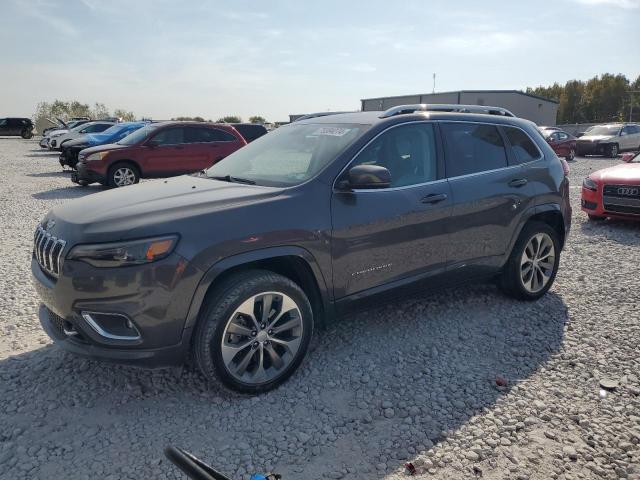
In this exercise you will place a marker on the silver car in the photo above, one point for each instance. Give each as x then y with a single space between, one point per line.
609 139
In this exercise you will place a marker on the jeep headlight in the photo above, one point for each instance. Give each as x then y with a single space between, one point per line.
127 253
96 156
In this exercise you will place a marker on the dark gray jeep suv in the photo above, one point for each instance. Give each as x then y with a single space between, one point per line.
235 267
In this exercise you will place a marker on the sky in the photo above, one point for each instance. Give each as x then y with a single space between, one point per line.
162 59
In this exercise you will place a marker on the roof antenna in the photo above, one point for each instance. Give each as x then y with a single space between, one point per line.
434 83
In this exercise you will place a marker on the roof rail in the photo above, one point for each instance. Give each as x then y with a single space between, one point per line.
443 107
316 115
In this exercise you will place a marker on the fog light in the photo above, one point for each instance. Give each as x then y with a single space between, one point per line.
114 326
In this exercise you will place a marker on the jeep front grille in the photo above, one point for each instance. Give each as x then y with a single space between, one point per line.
48 251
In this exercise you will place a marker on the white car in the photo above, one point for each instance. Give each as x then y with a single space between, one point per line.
58 137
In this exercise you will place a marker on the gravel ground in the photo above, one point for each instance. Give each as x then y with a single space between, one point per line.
410 381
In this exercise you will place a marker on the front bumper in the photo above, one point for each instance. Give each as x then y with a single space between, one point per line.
590 148
593 203
155 297
44 142
83 174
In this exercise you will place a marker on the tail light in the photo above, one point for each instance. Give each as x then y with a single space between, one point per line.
565 167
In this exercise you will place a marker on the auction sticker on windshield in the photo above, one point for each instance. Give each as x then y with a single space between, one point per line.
332 131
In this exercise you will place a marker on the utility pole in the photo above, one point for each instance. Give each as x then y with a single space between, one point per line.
631 94
434 83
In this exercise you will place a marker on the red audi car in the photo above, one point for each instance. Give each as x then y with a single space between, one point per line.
157 150
562 143
614 191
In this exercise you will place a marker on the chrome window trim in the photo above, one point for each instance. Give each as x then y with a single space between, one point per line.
102 332
355 156
373 190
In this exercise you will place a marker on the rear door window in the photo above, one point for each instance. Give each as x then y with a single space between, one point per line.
472 148
207 135
169 136
523 148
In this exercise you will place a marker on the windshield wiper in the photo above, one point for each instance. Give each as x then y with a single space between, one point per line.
229 178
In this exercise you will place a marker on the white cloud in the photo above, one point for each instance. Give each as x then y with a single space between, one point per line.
626 4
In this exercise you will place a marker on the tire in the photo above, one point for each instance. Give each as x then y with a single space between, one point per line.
571 156
230 347
123 174
26 134
612 150
596 218
513 279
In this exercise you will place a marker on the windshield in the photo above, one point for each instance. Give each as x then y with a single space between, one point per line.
608 130
289 155
138 135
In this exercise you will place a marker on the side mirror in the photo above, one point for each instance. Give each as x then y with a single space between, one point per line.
368 177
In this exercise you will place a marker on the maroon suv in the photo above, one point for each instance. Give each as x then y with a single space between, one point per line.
157 150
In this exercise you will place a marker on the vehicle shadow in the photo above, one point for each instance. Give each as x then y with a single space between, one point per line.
378 389
614 229
59 173
42 154
73 191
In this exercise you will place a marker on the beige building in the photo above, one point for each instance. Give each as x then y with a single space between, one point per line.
540 110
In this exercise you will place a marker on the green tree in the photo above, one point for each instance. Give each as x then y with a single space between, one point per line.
258 119
124 115
230 119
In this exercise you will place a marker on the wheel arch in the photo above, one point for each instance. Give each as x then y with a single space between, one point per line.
550 213
295 263
130 162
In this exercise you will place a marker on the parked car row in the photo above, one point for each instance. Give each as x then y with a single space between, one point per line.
55 139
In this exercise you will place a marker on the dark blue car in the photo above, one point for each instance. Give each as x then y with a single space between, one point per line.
71 149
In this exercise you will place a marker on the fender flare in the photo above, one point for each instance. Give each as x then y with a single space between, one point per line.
269 253
525 217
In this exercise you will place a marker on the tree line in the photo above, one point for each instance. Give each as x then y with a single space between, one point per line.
603 98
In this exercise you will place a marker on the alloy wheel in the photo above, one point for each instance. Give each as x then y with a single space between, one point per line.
537 262
262 337
572 155
124 176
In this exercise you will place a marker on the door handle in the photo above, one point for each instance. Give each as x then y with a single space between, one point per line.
518 182
434 198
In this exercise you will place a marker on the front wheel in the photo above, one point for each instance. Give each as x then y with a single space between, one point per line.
26 134
612 150
254 331
122 175
533 263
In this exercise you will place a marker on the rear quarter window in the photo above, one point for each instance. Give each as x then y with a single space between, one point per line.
523 148
472 148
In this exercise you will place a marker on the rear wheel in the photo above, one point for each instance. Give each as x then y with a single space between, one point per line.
26 134
122 175
612 150
254 331
533 263
571 156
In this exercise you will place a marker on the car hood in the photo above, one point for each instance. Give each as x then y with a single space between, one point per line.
58 131
596 138
626 173
104 147
89 139
153 208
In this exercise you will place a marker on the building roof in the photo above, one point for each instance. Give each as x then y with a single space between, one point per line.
466 91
